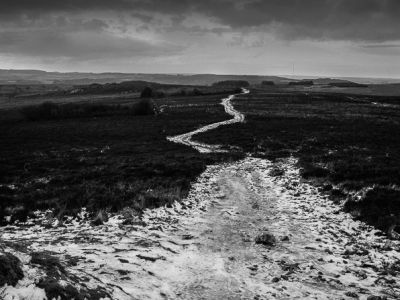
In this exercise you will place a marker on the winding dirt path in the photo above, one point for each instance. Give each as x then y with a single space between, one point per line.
186 138
204 247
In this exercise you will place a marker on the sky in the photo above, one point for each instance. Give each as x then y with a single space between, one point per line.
265 37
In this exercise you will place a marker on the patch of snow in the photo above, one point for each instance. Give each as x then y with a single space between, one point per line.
186 138
204 246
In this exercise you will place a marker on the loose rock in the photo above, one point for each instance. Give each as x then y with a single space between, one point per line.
266 239
285 238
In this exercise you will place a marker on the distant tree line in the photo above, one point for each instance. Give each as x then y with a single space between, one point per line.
53 111
148 92
302 83
232 83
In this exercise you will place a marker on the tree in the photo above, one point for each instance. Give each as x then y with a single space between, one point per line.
146 93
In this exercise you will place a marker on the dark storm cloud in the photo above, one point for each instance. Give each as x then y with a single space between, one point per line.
13 6
67 29
80 46
360 20
368 20
127 29
324 19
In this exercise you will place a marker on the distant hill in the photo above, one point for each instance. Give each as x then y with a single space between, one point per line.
302 83
125 86
348 85
329 81
232 83
43 77
361 80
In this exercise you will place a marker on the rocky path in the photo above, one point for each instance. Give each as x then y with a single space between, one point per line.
246 231
186 138
205 247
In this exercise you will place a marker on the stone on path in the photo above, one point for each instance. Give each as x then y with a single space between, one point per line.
266 239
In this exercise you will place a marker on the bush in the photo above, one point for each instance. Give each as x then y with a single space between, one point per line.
145 107
146 93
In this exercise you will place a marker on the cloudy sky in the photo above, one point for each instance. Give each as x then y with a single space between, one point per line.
315 37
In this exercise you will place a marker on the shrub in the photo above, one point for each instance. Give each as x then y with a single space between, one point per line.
146 93
145 107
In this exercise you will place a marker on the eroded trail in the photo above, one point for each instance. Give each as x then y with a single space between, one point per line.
204 248
186 138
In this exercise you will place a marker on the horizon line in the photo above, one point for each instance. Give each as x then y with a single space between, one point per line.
217 74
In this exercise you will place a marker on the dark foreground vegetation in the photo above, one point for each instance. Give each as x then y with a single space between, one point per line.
52 111
350 146
112 155
10 269
103 157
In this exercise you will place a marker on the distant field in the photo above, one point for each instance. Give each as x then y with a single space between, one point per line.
14 96
347 144
10 103
370 90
